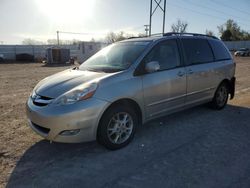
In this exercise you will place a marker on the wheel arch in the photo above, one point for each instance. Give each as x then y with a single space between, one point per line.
231 86
124 101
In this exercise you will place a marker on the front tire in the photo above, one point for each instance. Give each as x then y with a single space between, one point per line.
221 96
117 127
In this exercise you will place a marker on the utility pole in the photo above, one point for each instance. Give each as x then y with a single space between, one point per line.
158 5
164 16
146 29
57 33
150 18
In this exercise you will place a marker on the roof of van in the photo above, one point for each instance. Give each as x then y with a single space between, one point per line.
172 35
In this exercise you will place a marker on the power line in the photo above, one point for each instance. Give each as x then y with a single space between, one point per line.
78 33
233 8
137 28
195 11
216 10
67 32
202 13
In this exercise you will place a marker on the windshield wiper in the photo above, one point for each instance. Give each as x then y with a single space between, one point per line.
92 70
104 70
111 70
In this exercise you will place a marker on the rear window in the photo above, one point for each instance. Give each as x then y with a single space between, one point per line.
220 51
197 51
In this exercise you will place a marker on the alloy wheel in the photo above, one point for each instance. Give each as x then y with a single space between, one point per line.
120 128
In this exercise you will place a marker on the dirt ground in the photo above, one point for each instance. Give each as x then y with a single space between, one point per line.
16 83
20 147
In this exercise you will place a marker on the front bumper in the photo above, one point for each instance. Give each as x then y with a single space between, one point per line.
50 121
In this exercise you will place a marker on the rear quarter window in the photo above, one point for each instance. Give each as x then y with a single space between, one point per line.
197 51
220 51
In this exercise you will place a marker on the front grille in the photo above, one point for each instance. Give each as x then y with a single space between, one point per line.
39 104
39 100
45 98
41 129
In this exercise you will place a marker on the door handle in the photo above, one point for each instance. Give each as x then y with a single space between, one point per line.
190 71
180 73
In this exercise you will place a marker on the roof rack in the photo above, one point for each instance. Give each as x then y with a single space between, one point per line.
135 37
145 36
156 34
187 34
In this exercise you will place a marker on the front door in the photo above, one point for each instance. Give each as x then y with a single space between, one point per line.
164 90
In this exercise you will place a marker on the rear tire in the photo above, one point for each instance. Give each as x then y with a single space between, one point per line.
220 96
117 127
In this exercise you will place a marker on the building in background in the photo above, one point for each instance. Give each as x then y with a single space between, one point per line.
87 49
235 45
57 55
80 51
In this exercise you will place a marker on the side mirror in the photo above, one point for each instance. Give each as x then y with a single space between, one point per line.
152 66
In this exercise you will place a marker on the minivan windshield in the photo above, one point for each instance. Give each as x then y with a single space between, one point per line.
115 57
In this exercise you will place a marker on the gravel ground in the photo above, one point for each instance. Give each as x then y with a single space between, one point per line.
198 147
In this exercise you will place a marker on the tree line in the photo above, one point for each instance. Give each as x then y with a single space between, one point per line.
229 31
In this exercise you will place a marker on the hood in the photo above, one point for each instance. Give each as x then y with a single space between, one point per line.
57 84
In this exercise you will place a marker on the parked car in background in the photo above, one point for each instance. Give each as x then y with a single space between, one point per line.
242 52
129 83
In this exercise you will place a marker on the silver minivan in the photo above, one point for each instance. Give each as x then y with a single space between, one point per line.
129 83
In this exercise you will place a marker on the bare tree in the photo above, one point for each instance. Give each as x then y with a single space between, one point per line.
111 37
179 26
115 37
63 42
52 41
141 35
30 41
209 32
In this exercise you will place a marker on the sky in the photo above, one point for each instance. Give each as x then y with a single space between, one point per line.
40 19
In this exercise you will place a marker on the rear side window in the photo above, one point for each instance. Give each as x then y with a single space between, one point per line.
197 51
220 51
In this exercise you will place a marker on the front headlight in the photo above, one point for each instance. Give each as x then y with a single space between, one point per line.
77 94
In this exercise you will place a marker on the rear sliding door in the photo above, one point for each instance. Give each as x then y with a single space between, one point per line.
201 70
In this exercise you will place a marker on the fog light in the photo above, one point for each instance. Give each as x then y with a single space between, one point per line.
70 132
